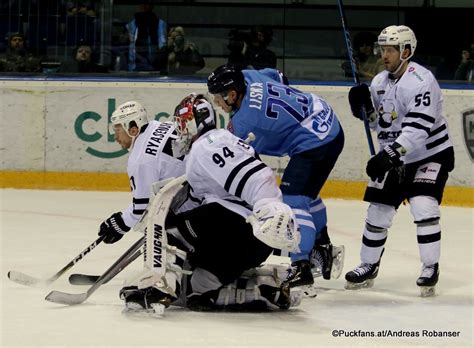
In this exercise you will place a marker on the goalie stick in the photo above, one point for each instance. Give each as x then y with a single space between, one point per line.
73 299
89 279
84 279
350 53
25 279
160 206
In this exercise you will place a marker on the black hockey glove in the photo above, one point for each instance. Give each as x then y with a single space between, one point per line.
382 162
360 96
113 228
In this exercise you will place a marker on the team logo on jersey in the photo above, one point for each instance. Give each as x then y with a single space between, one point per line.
468 131
387 114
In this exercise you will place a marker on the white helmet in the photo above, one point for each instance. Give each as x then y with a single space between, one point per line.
193 115
127 113
398 35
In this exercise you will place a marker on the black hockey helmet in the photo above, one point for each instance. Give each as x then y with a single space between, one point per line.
225 77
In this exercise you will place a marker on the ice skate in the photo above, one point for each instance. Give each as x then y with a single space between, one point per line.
362 276
281 298
150 300
327 261
321 257
299 274
428 280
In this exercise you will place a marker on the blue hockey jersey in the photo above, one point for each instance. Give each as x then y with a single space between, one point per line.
284 120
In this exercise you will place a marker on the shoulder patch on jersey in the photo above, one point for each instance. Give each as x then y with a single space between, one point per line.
412 70
210 138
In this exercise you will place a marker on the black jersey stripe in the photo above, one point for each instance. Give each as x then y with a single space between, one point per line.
242 203
235 171
437 142
417 126
245 178
138 211
425 117
437 131
141 200
168 149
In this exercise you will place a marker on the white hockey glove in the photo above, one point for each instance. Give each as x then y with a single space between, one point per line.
273 223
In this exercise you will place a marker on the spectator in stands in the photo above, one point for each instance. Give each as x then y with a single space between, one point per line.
183 56
17 58
368 64
119 46
465 70
81 8
148 40
84 62
250 49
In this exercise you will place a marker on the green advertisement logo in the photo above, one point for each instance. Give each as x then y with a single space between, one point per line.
91 116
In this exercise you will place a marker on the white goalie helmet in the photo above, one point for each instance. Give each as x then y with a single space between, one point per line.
192 116
127 113
398 35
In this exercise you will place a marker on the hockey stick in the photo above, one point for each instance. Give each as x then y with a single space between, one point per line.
160 206
24 279
73 299
355 74
84 279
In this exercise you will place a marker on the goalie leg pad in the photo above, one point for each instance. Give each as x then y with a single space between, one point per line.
168 281
256 290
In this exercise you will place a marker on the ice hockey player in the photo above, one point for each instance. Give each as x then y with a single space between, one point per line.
286 121
150 160
404 107
233 219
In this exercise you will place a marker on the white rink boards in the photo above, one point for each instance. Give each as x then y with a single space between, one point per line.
41 231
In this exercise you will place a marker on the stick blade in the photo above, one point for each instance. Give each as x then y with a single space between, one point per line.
65 298
82 279
25 279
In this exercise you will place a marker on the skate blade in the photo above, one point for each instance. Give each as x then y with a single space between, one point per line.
316 271
338 253
427 291
355 286
156 309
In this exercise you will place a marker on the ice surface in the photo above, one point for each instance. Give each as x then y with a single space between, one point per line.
41 231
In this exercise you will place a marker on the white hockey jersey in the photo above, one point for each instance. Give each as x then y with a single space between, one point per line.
223 168
150 160
409 111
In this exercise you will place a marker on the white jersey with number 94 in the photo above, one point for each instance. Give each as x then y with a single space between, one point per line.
223 168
